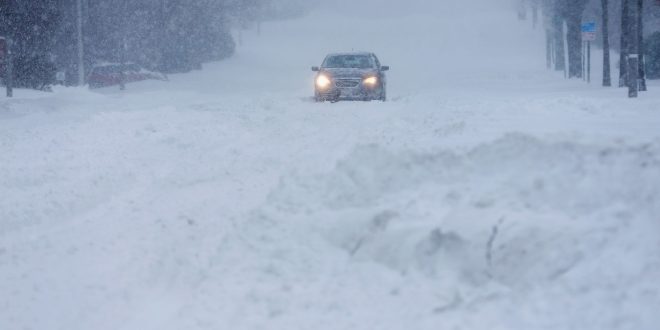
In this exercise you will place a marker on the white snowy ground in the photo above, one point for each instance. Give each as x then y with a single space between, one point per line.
488 193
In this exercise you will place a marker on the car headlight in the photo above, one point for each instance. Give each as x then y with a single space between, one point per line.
371 81
323 81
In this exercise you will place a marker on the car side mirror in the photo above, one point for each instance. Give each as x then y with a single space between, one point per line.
384 68
315 68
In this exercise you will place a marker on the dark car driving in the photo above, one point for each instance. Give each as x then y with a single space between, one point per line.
350 76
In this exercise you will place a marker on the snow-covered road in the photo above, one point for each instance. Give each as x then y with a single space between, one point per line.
488 193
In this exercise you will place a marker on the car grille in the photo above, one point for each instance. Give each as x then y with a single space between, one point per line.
347 83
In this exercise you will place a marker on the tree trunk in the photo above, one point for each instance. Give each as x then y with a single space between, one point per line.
81 51
623 53
607 77
574 40
558 36
640 45
163 17
633 49
572 12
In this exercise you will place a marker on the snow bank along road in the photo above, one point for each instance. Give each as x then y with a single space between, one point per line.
487 194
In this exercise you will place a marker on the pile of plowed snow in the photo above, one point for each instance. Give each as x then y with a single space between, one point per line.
568 230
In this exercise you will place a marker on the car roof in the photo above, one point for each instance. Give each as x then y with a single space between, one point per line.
351 53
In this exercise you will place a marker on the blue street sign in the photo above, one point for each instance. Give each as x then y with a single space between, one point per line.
589 27
588 31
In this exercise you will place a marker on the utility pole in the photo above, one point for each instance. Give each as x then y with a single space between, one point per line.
607 77
81 50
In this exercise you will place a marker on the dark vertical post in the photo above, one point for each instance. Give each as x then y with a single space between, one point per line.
558 32
633 51
122 46
9 67
582 69
548 49
564 49
623 54
632 75
122 64
640 45
163 35
607 77
589 61
79 36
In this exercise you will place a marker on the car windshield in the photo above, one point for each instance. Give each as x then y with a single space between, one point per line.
349 61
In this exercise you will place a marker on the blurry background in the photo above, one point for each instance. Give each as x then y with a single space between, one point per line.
178 36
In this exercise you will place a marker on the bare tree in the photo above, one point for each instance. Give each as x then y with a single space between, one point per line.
640 45
623 52
632 30
572 11
607 79
558 45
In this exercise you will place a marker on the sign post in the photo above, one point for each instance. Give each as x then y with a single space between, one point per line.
583 69
588 35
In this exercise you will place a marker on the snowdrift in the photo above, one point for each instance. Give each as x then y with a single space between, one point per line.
518 219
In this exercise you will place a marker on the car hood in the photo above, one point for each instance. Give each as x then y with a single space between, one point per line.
348 72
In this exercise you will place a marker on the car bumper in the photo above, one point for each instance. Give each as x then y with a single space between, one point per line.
356 93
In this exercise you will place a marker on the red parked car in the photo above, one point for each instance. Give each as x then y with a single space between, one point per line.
109 74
